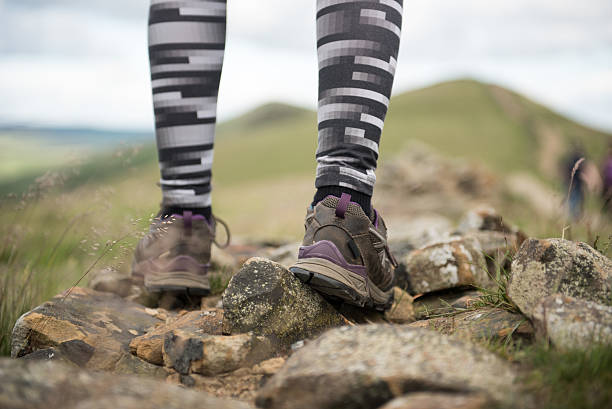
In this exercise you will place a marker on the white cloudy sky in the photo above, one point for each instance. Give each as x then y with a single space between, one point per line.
84 63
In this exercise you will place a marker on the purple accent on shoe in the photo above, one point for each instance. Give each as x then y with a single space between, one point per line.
376 217
342 205
194 216
327 250
187 216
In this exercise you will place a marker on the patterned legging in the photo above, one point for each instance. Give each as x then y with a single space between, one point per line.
357 42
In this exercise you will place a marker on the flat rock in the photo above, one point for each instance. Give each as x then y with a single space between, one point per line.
49 385
109 280
265 298
545 267
89 328
402 310
571 323
438 400
445 302
366 366
197 352
149 346
449 264
481 324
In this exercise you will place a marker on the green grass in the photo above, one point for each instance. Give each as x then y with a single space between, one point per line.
572 379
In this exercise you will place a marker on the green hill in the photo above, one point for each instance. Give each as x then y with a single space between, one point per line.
463 118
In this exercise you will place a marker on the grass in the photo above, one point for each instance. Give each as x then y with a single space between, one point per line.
573 379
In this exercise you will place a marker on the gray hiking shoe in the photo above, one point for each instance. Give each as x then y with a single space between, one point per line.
175 255
345 255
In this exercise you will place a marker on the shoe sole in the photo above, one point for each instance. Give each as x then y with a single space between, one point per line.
177 281
337 283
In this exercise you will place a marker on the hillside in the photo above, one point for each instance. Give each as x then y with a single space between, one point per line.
467 119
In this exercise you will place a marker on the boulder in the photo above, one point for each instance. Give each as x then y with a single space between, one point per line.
49 385
571 323
265 298
545 267
449 264
150 345
445 302
481 324
366 366
484 218
89 328
438 400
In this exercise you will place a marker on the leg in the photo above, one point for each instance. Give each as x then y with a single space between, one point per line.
358 44
345 255
186 47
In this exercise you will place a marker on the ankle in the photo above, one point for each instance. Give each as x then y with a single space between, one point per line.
203 211
363 200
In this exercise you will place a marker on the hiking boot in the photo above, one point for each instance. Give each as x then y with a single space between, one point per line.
345 255
175 255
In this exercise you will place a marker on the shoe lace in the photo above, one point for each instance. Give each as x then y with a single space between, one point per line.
383 240
227 233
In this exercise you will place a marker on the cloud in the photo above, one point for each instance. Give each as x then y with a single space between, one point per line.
94 53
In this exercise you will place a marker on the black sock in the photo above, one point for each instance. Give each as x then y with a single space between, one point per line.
361 199
204 211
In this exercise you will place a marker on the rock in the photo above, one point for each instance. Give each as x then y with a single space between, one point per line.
285 255
366 366
445 302
149 346
545 267
483 218
90 328
571 323
449 264
482 324
264 297
49 385
406 235
401 312
438 400
196 352
269 367
110 280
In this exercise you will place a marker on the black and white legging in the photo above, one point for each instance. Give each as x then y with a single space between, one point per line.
357 42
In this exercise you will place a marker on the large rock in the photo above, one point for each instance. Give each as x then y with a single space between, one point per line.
570 323
366 366
545 267
449 264
89 328
265 298
481 324
49 385
439 400
150 345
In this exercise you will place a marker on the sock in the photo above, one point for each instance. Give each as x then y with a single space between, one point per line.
203 211
186 49
361 199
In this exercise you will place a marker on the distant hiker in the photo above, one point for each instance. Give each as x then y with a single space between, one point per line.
606 171
345 253
574 184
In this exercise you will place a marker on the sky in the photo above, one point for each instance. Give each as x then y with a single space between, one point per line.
84 63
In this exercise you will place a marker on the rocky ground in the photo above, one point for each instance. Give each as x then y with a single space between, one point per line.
269 341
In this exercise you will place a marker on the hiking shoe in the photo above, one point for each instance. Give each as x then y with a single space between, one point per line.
175 254
345 255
